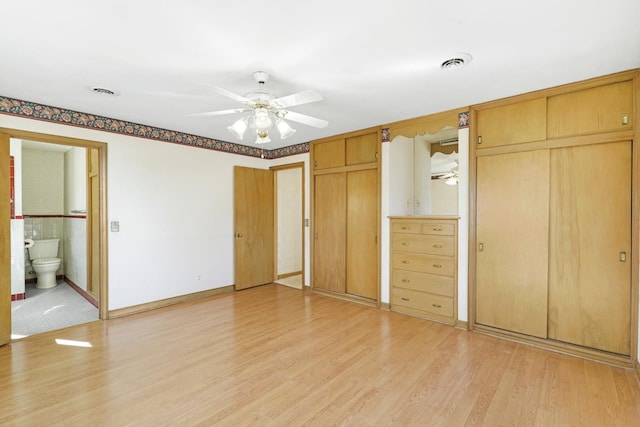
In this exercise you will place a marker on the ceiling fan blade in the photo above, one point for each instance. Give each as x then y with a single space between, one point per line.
230 94
302 118
299 98
221 112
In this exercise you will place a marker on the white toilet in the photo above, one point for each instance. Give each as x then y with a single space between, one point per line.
43 255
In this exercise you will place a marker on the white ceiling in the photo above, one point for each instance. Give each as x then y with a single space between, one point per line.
374 62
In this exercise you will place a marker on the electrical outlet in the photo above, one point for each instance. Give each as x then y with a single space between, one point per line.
115 226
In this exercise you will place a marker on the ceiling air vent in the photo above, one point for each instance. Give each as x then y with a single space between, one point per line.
104 91
460 60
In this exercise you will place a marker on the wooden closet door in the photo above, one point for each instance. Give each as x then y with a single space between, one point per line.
512 241
329 266
362 223
589 278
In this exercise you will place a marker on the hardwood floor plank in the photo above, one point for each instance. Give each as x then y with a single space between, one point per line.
277 356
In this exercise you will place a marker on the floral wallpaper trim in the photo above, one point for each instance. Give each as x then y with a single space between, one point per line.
48 113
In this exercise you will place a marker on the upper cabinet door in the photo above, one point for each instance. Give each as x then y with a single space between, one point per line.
600 109
513 124
362 149
329 154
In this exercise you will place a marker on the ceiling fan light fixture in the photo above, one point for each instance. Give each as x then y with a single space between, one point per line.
262 120
238 128
285 130
262 139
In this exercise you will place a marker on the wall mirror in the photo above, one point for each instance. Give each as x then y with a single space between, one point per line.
424 174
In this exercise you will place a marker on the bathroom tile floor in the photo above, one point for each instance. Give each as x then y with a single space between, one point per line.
49 309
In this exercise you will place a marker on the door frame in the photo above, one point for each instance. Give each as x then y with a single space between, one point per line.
276 169
103 300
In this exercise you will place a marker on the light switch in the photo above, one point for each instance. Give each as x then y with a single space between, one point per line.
115 226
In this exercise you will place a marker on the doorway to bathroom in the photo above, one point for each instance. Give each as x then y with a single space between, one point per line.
58 191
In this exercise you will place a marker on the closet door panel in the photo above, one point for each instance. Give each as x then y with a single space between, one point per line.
329 265
512 241
362 223
590 220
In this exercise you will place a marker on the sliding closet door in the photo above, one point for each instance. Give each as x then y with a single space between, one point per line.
362 226
590 241
330 200
512 241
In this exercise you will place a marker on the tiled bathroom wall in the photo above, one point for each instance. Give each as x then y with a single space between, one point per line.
75 250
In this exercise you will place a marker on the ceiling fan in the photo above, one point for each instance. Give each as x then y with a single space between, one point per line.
267 110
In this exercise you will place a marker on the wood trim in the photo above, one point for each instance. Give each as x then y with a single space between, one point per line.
432 123
573 141
51 139
635 221
86 295
471 256
134 309
276 169
102 159
558 347
346 297
461 324
351 168
285 275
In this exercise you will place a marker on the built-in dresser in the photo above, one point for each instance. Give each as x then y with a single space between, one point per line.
424 261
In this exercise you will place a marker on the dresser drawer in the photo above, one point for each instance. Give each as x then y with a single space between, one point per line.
406 227
427 244
422 301
438 229
423 263
424 282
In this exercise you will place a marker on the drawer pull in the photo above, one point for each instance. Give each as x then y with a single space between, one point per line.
437 246
437 305
405 243
404 261
404 227
405 280
404 299
437 265
437 229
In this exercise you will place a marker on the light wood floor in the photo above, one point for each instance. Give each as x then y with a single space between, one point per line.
275 356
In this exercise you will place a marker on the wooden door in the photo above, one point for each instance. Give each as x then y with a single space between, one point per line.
362 238
512 241
329 263
5 241
254 227
93 223
590 243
